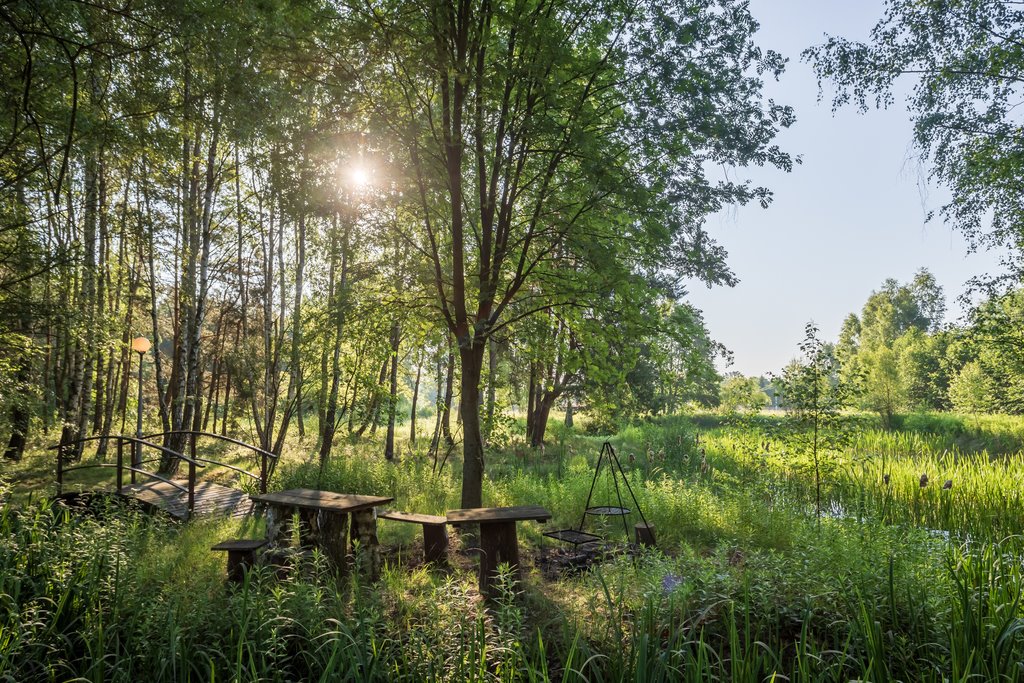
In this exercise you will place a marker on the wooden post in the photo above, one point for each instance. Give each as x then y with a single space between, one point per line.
192 478
263 472
191 489
498 544
435 543
644 534
120 465
136 458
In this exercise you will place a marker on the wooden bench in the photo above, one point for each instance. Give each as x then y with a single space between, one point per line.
241 555
435 532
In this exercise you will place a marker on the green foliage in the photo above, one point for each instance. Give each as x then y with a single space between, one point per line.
738 393
897 360
920 359
811 391
971 390
964 58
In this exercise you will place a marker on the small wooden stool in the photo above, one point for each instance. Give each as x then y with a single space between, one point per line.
644 534
241 555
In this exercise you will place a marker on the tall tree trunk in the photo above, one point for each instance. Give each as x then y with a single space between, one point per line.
113 384
389 444
374 403
161 384
194 385
80 395
435 439
20 414
446 407
531 401
415 399
289 404
472 444
186 413
542 411
492 385
227 388
213 398
330 423
300 265
101 296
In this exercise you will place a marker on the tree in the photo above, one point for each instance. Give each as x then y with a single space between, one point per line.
971 389
993 341
682 356
537 130
891 353
966 60
929 299
811 391
919 359
739 393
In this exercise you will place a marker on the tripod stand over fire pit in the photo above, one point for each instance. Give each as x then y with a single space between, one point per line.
578 536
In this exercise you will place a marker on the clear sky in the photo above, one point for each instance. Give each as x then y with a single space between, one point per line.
852 215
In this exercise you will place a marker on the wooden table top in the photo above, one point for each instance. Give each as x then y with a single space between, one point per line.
516 513
312 499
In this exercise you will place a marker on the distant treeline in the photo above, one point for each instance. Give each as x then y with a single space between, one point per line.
898 356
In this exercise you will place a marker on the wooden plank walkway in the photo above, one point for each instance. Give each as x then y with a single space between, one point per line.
211 499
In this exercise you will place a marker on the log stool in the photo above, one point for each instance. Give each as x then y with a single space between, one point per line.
644 534
241 555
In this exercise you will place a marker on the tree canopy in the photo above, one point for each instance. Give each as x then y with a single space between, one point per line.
965 62
320 211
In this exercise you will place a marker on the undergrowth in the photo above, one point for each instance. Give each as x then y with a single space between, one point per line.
897 582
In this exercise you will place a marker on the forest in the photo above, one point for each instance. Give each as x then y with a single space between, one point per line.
309 210
442 254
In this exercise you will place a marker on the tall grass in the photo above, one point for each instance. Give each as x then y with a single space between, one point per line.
878 473
746 586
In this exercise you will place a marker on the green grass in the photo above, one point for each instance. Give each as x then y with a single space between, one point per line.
747 583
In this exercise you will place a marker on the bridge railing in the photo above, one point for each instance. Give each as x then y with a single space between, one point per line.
135 467
266 457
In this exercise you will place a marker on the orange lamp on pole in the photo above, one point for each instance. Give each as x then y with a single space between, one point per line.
140 345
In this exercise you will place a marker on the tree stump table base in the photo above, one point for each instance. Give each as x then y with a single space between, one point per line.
644 534
499 545
324 524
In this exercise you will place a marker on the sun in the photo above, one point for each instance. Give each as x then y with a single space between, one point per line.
358 176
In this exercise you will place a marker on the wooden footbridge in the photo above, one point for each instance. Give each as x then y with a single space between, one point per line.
180 498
